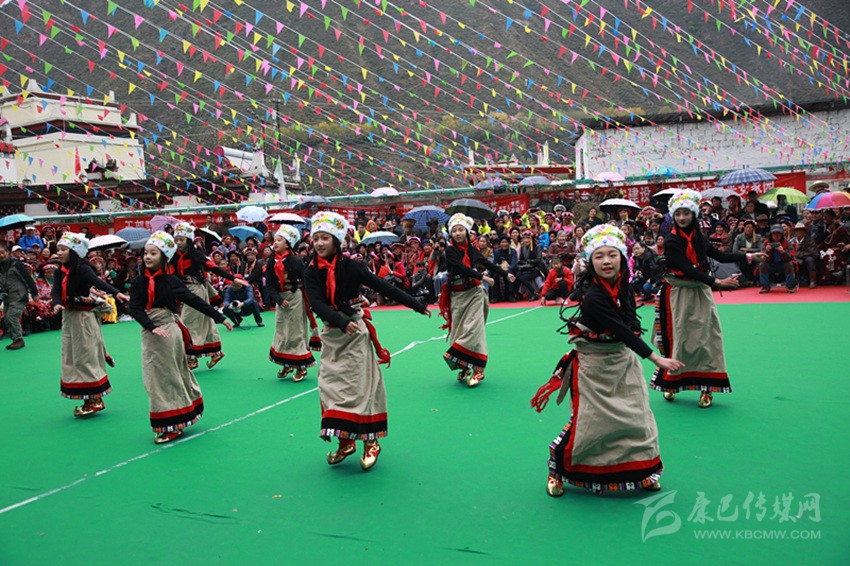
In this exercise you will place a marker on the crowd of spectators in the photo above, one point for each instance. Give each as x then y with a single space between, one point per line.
540 246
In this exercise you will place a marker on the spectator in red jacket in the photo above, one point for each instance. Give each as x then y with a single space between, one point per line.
559 282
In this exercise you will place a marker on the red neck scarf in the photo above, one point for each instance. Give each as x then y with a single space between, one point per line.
612 290
152 286
330 283
67 272
183 263
690 251
464 247
279 268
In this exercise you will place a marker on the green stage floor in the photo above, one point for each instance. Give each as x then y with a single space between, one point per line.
462 475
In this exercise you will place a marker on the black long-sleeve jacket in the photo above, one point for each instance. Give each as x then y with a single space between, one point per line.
82 279
168 291
350 275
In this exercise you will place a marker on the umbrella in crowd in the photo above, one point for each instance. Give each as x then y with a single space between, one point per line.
384 192
837 199
160 221
245 232
107 242
491 183
718 192
535 181
133 234
380 238
15 221
606 176
792 195
310 201
665 194
137 244
207 234
424 214
287 218
471 207
251 214
612 205
744 176
663 171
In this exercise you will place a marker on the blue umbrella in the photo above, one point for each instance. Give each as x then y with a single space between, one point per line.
245 232
133 234
663 171
744 176
15 221
310 201
424 214
535 181
380 238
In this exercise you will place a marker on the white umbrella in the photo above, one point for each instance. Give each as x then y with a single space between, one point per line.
718 192
252 214
286 218
208 232
384 192
619 203
665 193
107 242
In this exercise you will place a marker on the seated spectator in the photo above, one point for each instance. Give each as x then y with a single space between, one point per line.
807 253
720 238
780 259
438 267
747 242
562 248
529 265
239 302
29 239
421 284
506 258
392 271
648 271
763 225
559 282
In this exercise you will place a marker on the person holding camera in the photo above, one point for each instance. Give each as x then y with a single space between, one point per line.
16 284
239 302
780 259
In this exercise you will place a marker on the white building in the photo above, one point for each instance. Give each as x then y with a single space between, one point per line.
56 138
690 147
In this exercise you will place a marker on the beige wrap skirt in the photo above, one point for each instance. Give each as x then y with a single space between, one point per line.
611 441
175 396
687 328
467 336
290 346
351 386
83 356
206 340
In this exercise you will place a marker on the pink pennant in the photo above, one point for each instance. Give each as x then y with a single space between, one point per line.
139 20
302 10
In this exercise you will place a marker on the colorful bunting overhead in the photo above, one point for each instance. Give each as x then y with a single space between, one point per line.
365 93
